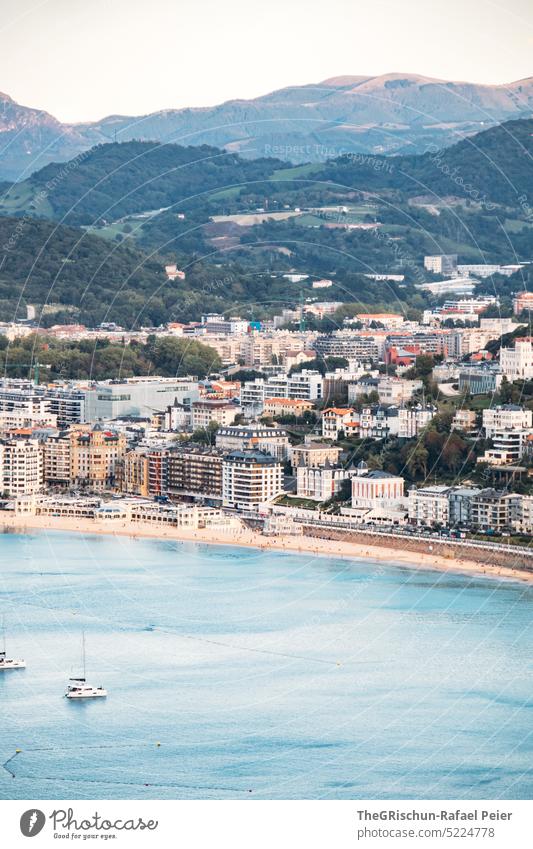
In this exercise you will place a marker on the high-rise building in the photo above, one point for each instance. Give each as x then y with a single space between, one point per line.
250 478
21 466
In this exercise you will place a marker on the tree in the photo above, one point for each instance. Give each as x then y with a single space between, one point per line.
417 461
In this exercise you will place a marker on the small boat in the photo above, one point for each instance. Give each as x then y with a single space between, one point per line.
8 662
78 688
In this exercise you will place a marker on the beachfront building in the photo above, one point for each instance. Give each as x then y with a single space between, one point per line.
321 483
377 488
196 471
460 500
56 459
429 505
250 478
133 472
495 510
21 466
94 455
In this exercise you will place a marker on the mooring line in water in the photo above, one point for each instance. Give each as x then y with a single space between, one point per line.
12 758
177 785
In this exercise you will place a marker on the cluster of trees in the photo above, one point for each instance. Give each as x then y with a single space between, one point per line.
436 452
167 356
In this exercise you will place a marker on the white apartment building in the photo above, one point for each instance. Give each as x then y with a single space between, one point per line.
517 363
508 446
412 420
306 385
429 505
21 466
395 390
441 263
250 478
205 412
378 422
320 483
336 420
178 417
506 417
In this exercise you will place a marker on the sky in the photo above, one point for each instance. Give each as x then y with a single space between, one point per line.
83 59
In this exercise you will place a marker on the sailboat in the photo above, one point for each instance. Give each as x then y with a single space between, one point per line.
78 688
5 661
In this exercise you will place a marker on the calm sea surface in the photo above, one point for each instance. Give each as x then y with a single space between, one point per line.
287 675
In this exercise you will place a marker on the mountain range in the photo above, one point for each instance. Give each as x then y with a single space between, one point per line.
387 114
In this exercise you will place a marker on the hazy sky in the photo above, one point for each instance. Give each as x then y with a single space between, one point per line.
83 59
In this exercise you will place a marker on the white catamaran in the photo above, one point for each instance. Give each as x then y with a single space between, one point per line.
5 661
78 688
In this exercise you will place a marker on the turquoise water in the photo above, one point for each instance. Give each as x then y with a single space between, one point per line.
230 659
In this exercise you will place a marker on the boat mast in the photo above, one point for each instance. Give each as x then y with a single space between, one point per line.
83 652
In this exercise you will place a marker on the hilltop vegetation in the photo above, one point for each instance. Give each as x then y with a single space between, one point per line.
235 226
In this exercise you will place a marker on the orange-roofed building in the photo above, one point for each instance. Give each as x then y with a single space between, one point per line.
339 419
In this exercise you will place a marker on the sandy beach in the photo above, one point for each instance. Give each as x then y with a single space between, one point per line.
246 537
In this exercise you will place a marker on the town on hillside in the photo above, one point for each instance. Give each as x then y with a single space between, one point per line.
385 423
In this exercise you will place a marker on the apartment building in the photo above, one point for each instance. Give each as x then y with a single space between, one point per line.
314 454
441 263
132 472
517 363
271 440
94 454
250 478
205 412
413 420
429 505
274 407
359 347
523 302
506 417
508 446
56 459
21 466
378 422
460 505
493 509
337 420
321 483
195 471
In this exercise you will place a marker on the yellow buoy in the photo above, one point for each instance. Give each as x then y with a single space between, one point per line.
17 751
